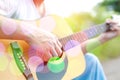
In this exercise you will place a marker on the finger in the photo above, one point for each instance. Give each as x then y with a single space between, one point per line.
47 56
112 34
115 28
46 53
53 51
59 44
58 50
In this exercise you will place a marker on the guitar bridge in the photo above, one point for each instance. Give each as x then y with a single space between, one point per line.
20 61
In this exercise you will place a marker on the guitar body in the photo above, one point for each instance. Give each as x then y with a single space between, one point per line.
73 57
8 67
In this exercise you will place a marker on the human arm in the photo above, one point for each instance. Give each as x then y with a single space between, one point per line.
29 32
11 29
102 38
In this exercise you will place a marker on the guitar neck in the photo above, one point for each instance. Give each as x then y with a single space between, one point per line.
79 37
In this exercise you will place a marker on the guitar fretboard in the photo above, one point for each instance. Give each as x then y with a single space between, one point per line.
79 37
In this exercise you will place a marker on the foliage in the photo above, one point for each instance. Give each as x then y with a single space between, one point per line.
111 5
80 21
108 50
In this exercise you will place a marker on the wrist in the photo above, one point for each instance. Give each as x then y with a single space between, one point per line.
102 39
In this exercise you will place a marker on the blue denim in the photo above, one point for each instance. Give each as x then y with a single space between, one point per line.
93 71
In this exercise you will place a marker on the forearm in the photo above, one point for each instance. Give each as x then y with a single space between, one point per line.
13 29
91 44
10 29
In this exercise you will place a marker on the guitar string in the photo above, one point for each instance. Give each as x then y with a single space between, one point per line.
90 33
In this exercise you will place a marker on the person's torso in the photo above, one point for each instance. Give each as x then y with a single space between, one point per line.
26 11
19 9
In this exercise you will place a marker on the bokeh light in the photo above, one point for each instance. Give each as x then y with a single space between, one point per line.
3 63
8 27
70 44
14 68
36 64
56 64
2 48
51 24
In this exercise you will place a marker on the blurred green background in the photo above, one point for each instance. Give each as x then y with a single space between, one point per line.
102 11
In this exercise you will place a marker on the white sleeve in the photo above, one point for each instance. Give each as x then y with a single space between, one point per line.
8 7
26 11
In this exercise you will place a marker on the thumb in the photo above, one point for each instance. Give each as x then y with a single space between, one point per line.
111 34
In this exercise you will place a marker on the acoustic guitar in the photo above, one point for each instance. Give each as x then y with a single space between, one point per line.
72 61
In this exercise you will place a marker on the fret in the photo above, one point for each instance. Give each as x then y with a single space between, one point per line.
101 28
79 37
98 30
91 32
82 37
73 40
64 40
70 44
95 31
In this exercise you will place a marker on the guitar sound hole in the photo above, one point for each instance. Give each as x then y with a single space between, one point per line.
51 75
